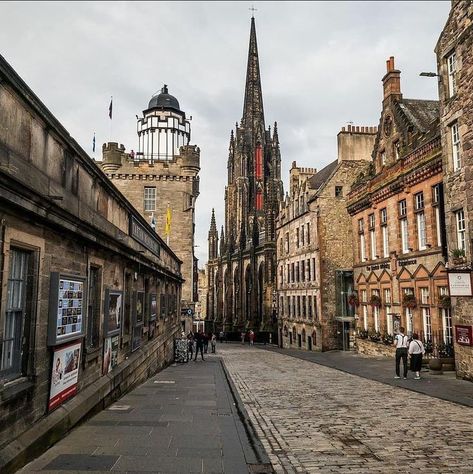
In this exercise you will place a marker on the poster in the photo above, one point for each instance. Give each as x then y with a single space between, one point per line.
113 312
140 306
153 307
463 335
110 354
67 304
64 374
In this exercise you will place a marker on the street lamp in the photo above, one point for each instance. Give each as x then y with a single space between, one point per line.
429 74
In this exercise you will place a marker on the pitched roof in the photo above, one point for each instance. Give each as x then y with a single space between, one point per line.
420 113
321 177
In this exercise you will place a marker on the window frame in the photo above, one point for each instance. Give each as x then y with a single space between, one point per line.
147 199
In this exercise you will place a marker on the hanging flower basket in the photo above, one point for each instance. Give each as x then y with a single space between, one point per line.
445 302
353 299
375 301
409 301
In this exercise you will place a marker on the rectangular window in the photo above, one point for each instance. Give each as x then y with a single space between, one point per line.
460 223
150 198
404 236
361 226
302 235
456 156
387 296
383 214
447 325
302 270
424 296
402 208
421 232
304 307
436 204
15 344
451 70
93 307
297 272
383 158
408 314
363 296
427 324
313 269
365 317
308 233
297 237
385 241
338 191
362 248
281 304
371 221
373 244
376 318
308 270
389 324
419 201
396 150
309 306
293 273
287 242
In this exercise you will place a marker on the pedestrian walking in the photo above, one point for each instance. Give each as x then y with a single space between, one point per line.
199 345
251 337
242 337
401 343
213 342
416 351
222 336
190 342
206 343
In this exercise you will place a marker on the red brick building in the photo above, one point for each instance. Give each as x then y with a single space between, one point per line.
397 217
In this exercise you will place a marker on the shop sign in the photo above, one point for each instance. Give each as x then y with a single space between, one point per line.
64 374
67 304
377 267
463 335
405 262
144 237
459 283
110 354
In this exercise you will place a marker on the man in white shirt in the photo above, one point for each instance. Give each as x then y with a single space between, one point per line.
401 343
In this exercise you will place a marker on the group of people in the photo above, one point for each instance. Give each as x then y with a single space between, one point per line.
405 347
251 337
199 341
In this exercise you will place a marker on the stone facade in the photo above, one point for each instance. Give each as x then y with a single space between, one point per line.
315 256
398 223
162 181
455 68
61 215
241 270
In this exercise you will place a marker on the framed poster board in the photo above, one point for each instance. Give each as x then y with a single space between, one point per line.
136 337
153 306
110 354
64 374
463 335
459 283
139 307
67 305
113 312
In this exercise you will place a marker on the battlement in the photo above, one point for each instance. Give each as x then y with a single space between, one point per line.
113 156
358 129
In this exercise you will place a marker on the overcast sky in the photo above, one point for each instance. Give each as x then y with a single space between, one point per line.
321 67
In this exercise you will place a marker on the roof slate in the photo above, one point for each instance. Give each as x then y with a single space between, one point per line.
322 176
420 113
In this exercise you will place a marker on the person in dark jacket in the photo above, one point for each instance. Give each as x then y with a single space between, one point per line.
199 344
206 343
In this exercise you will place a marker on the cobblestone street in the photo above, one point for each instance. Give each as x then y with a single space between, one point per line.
312 418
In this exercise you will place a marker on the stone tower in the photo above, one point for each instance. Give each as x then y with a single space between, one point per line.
161 179
244 272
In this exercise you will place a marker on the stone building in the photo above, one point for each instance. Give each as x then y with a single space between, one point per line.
455 69
398 223
201 305
161 181
314 248
89 293
242 268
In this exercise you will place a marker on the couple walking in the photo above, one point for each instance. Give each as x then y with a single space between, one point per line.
404 347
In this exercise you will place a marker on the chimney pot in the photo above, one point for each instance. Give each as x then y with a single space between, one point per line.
343 129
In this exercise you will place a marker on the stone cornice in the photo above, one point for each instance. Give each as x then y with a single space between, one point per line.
150 177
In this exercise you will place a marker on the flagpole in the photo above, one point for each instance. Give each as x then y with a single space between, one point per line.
111 116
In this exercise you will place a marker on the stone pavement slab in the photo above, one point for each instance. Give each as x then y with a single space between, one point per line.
381 369
185 419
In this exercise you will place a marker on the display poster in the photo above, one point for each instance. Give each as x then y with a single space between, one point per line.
463 335
110 354
153 307
459 283
70 307
152 329
64 375
113 312
140 307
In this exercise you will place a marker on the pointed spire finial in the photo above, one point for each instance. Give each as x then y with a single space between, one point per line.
253 10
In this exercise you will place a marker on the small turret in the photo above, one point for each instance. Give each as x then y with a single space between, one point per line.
113 156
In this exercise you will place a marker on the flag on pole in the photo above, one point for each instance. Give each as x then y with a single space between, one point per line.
110 107
93 143
167 228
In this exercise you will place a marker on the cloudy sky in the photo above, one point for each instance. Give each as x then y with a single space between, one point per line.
321 67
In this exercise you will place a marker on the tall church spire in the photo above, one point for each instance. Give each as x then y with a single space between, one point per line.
213 238
253 115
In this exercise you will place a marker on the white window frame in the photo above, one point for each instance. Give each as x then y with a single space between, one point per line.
389 324
385 241
437 226
149 198
404 235
373 244
376 318
421 231
387 296
461 229
365 317
427 321
408 314
451 70
446 314
424 295
456 155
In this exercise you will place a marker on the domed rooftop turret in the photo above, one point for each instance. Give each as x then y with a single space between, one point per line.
164 100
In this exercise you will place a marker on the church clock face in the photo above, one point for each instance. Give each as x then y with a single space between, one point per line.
388 125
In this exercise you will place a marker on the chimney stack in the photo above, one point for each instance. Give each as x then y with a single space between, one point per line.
392 80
